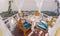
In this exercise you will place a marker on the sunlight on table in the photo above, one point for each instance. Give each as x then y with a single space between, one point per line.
1 32
57 32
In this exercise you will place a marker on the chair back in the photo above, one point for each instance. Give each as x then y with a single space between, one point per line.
19 21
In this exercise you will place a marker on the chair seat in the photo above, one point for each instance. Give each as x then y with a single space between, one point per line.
43 25
27 26
25 22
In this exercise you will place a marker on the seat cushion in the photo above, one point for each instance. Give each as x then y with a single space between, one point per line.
43 25
27 26
25 22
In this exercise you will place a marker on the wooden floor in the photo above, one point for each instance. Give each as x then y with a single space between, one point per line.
17 32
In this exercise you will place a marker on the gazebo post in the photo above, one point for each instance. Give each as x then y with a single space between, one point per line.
39 5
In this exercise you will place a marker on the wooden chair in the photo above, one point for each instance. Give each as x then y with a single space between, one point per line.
37 14
23 27
21 14
50 23
43 25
